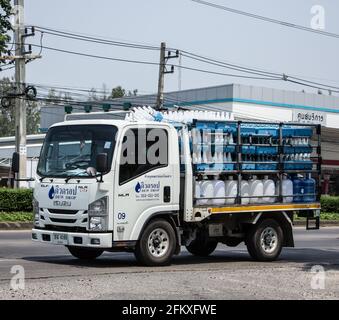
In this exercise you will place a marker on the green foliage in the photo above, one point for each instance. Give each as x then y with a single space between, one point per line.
329 204
329 216
7 115
16 199
16 216
118 92
5 24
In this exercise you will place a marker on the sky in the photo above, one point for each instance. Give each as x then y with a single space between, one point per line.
186 25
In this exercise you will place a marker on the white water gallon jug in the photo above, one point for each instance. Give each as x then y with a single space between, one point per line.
219 191
287 189
231 188
245 192
269 190
256 190
198 192
207 191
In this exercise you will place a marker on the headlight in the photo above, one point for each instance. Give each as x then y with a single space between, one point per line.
98 214
35 205
98 207
97 224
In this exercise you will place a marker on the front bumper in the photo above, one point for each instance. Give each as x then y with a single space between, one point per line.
89 240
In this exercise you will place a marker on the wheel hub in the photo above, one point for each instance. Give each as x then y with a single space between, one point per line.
158 242
269 240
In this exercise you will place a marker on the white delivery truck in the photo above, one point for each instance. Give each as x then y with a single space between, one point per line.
154 182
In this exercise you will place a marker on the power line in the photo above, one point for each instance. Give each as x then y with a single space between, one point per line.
97 39
274 76
264 75
229 66
267 19
79 37
148 63
96 56
95 36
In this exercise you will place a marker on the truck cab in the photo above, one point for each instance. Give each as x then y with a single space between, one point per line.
90 211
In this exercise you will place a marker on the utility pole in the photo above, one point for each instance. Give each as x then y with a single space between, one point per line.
162 72
20 103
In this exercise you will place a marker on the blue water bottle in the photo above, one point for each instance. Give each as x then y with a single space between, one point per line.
309 189
298 189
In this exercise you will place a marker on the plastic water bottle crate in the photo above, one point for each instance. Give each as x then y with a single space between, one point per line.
266 166
214 167
248 166
297 149
297 165
267 150
248 149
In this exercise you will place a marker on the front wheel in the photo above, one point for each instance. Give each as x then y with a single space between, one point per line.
264 240
84 253
157 244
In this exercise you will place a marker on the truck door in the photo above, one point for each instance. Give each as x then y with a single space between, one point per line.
144 180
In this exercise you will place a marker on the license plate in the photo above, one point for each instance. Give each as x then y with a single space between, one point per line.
60 238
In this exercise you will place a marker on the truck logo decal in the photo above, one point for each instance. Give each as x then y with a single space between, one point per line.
64 193
147 191
51 193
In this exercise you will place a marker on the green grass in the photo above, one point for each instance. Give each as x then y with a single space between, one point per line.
16 216
323 216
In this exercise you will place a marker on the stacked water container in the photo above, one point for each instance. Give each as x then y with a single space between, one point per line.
304 189
297 149
213 146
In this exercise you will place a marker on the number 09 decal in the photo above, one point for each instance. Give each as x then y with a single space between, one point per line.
121 216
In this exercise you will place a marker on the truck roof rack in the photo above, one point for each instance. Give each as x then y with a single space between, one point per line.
108 115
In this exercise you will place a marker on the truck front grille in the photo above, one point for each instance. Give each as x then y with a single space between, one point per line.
60 211
63 220
64 228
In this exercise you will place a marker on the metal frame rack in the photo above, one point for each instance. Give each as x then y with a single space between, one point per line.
275 135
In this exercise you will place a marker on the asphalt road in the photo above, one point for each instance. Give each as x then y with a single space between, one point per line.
52 273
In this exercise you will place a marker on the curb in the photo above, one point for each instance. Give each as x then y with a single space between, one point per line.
16 225
323 223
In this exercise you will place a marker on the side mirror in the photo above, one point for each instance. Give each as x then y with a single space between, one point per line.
15 162
102 162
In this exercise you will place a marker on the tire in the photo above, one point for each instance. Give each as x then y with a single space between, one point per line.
157 244
202 247
84 253
265 240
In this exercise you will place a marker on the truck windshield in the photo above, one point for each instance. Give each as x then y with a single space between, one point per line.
72 150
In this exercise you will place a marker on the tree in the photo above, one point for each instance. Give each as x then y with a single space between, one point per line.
133 93
5 24
118 92
7 115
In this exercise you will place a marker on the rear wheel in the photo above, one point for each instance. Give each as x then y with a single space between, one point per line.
157 244
264 240
84 253
202 247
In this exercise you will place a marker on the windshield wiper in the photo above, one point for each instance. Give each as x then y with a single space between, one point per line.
77 175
